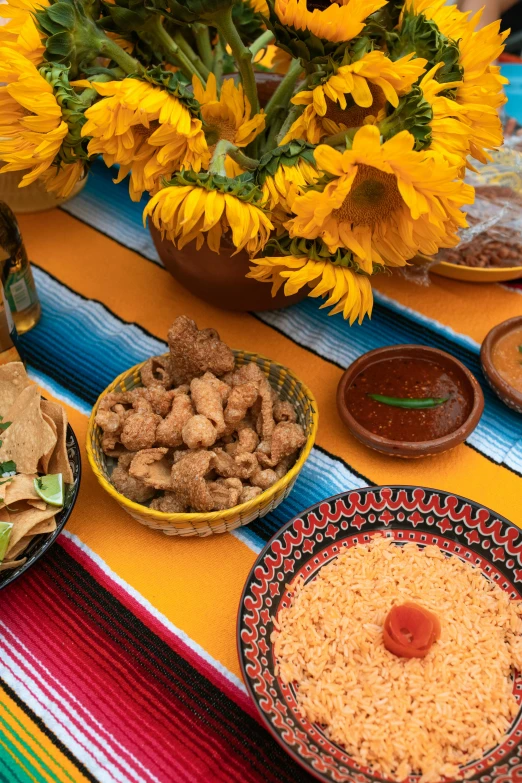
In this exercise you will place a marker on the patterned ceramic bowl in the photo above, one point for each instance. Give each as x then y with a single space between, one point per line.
426 516
40 544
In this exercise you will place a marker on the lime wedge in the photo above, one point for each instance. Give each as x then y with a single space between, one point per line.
5 535
50 489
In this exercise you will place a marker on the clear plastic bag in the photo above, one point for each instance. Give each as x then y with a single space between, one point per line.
494 234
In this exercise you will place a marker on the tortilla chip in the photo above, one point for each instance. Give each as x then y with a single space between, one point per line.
25 521
19 547
43 465
59 462
47 526
4 483
13 380
6 565
39 504
4 514
21 487
28 437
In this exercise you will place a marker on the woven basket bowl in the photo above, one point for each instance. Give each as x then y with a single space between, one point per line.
205 524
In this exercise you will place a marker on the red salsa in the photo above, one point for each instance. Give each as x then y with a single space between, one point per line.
413 379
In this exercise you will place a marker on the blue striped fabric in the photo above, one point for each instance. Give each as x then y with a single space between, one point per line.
498 437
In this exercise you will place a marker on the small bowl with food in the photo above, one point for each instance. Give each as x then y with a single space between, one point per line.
409 400
202 439
501 358
40 472
490 249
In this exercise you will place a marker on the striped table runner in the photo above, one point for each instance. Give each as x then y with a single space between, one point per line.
117 650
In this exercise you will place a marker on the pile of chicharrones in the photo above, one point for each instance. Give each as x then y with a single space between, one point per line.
200 435
401 716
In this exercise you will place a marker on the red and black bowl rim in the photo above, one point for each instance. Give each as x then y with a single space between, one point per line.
405 513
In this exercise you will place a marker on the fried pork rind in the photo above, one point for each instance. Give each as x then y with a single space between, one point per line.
188 480
247 442
284 411
169 430
262 409
207 435
249 493
287 438
263 478
169 503
139 429
151 467
225 493
208 395
157 372
199 433
240 401
194 352
123 482
241 466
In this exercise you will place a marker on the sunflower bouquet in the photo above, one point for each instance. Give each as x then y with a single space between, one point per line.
354 165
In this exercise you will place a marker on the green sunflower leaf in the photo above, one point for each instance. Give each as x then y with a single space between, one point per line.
413 114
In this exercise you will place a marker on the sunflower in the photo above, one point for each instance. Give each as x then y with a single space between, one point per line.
355 95
192 206
344 290
146 130
385 202
61 180
273 58
328 21
450 137
480 93
20 32
229 116
285 173
31 125
259 6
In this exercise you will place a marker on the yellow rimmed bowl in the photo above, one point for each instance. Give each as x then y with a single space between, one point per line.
288 386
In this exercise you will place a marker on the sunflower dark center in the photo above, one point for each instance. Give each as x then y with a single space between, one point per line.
143 132
353 116
320 5
373 198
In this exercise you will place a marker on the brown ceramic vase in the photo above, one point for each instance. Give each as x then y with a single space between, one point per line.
221 279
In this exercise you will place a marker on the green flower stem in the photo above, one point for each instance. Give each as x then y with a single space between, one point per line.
110 49
242 55
186 49
261 42
202 35
342 138
217 164
224 148
293 114
153 33
281 98
250 164
217 67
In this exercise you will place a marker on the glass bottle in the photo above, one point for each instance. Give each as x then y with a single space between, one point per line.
16 273
8 338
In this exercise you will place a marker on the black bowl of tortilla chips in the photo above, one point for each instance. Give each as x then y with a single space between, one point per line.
35 440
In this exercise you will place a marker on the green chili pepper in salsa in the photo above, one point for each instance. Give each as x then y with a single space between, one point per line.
409 402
